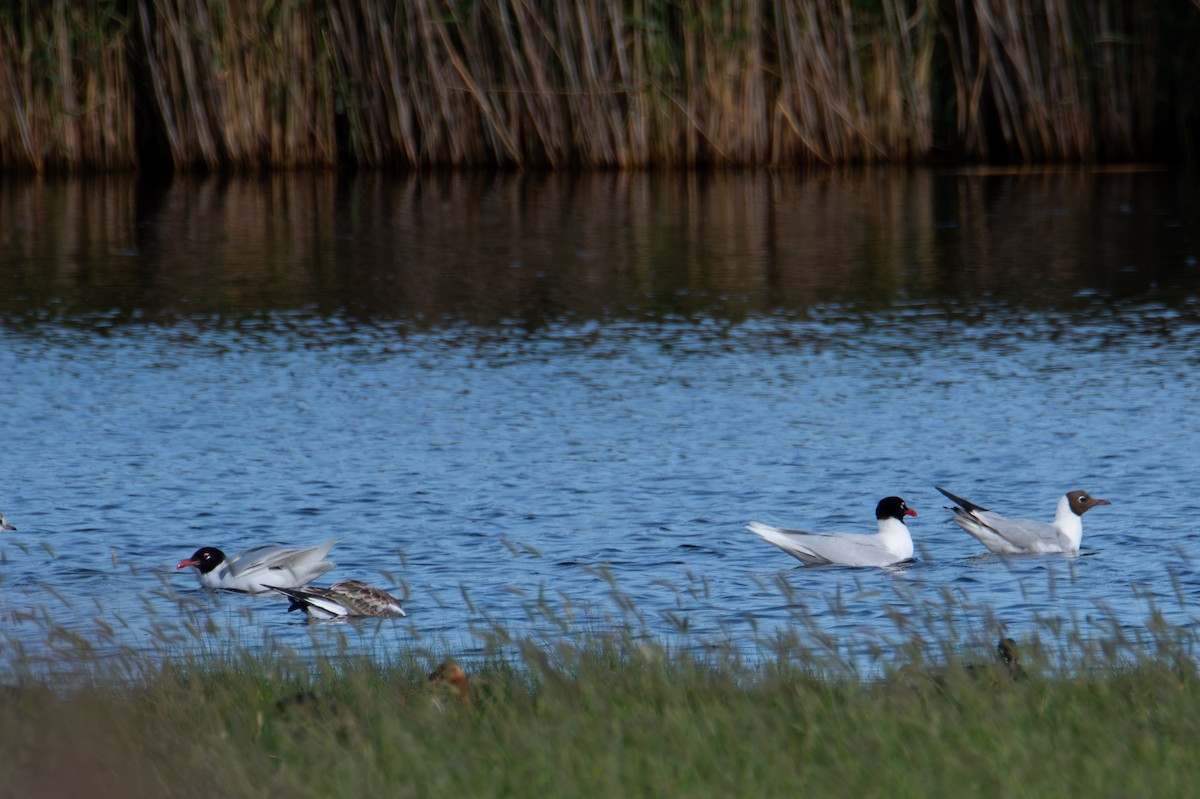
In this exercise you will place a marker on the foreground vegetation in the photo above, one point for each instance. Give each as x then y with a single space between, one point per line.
192 84
611 717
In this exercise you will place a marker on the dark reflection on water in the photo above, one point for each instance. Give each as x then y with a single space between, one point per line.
507 392
531 250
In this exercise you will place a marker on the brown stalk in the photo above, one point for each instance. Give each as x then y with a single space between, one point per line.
15 102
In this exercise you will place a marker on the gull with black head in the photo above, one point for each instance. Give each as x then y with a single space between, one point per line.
259 569
891 545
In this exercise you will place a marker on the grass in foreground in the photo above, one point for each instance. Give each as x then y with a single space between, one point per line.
606 719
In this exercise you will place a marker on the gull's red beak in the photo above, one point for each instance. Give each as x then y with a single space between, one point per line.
907 512
188 562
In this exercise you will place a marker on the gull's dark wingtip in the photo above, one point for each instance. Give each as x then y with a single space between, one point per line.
296 599
962 503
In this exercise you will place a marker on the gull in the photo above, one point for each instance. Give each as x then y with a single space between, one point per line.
892 544
259 569
1025 536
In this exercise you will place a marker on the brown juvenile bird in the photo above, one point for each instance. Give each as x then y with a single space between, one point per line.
349 599
450 673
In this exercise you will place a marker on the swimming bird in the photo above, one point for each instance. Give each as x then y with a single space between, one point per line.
5 525
345 600
1025 536
259 569
892 544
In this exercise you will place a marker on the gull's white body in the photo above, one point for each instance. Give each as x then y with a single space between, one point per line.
891 545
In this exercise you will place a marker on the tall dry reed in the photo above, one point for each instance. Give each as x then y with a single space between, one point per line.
563 83
239 86
1052 79
66 90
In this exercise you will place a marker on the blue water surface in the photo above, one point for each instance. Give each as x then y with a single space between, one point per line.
589 460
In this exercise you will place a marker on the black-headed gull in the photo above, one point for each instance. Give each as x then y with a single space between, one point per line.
5 525
892 544
259 569
1025 536
345 600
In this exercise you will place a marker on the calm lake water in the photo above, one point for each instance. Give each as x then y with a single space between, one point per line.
519 399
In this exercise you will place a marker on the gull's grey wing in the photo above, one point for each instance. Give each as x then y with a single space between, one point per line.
276 557
849 549
256 558
1025 534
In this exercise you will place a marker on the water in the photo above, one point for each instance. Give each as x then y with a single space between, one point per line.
517 399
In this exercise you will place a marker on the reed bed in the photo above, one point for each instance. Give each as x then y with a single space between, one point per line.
237 86
188 84
66 87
